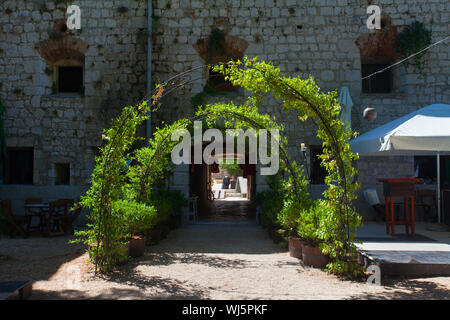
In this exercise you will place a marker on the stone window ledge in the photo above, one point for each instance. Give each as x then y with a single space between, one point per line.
74 96
383 95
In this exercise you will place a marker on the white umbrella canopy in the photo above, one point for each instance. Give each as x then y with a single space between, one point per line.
423 132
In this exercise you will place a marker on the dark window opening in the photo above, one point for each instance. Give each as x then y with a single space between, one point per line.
217 81
378 83
318 173
62 174
425 167
19 166
70 79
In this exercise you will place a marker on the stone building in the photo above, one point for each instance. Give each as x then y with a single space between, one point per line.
61 87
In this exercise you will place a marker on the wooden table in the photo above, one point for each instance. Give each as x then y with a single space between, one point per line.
39 210
399 188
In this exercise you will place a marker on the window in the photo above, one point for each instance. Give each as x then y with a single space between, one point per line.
62 174
70 79
19 166
217 81
379 83
318 173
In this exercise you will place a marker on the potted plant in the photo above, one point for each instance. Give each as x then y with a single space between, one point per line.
269 203
290 218
136 218
178 201
309 229
168 204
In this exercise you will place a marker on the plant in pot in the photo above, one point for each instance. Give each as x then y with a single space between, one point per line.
164 209
168 204
270 202
178 201
136 218
290 218
309 229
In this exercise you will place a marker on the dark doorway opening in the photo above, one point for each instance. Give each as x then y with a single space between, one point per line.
232 205
217 204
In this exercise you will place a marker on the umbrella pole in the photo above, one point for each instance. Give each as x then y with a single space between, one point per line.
438 159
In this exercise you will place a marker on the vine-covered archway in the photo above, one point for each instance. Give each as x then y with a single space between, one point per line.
114 178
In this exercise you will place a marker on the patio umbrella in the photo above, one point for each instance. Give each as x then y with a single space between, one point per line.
2 140
423 132
345 100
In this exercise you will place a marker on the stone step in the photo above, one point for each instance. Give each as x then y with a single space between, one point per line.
234 195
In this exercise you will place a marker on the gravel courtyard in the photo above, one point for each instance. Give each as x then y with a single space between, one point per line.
194 262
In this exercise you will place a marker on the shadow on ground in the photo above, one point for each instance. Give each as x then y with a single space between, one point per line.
167 258
35 258
143 286
408 289
221 239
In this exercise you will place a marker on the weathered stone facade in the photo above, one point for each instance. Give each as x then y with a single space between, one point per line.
66 128
301 37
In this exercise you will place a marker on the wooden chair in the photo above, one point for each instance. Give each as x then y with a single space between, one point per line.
72 215
15 223
56 215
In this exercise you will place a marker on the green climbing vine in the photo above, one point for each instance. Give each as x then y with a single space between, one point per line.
336 229
125 173
412 39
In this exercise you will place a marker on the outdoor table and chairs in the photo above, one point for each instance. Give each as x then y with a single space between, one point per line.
55 218
400 188
39 210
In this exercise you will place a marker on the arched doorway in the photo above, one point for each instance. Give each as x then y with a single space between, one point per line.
217 200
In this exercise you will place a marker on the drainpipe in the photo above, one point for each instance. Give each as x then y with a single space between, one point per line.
149 64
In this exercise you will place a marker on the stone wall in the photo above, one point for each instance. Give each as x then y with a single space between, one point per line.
301 37
67 128
308 37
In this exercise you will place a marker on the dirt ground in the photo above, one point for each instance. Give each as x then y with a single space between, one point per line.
195 262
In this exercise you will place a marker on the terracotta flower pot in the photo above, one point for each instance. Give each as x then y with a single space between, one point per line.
313 256
295 247
136 247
